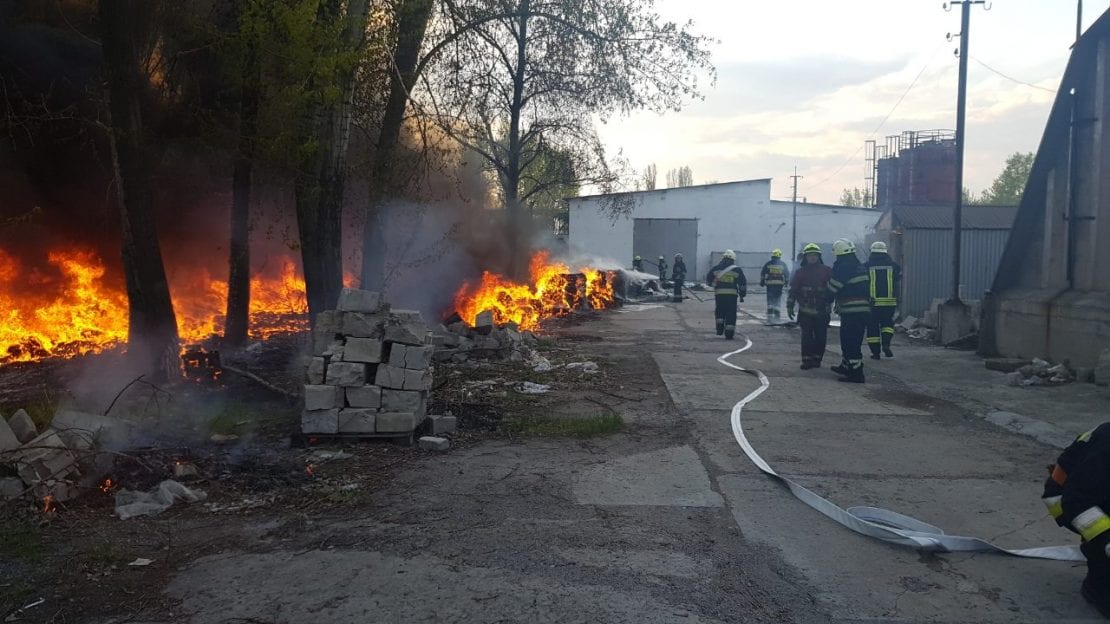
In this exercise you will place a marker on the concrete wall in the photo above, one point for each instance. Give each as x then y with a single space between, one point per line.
1037 306
735 215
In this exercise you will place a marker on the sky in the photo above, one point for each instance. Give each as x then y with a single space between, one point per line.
806 82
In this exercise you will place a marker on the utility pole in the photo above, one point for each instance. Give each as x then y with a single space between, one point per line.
794 228
1079 21
961 122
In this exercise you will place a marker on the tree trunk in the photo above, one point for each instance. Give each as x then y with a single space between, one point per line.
511 177
319 186
412 24
237 321
152 329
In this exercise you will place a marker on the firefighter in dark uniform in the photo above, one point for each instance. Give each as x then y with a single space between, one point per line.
678 276
638 264
774 276
1077 493
809 289
729 284
851 290
662 264
886 283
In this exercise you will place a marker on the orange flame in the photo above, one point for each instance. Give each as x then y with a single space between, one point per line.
552 292
107 486
48 504
310 470
83 311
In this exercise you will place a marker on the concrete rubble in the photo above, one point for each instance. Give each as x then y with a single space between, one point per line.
1036 372
371 370
55 462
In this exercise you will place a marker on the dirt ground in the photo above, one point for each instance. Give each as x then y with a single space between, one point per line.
264 493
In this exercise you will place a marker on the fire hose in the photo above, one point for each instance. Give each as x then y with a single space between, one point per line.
875 522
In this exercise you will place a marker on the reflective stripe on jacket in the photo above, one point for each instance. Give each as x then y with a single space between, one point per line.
850 286
886 280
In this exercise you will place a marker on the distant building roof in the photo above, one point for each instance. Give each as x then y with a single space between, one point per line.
940 217
672 190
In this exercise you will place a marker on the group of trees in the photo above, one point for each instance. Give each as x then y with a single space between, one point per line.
676 178
325 92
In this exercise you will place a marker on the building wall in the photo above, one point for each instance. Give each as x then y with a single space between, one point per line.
739 216
1037 306
927 265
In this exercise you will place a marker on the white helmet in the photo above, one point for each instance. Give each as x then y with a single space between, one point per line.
843 247
729 254
878 247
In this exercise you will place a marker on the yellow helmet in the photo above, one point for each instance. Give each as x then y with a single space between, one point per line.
812 248
729 254
844 247
776 253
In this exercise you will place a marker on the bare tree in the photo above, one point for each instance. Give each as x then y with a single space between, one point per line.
649 177
126 40
678 178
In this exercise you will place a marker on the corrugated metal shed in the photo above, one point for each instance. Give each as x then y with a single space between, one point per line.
940 217
927 264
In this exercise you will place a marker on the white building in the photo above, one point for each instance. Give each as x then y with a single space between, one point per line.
702 221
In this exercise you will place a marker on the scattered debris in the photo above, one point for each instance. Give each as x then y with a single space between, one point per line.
1035 372
140 562
185 470
586 367
15 614
527 387
220 438
922 333
321 456
130 504
908 323
1005 365
432 443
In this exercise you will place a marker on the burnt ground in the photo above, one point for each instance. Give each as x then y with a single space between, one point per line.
269 501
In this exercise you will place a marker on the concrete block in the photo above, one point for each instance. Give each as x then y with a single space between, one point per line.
390 377
317 369
413 358
361 325
366 350
346 374
319 397
459 328
45 457
364 396
483 323
954 320
432 443
395 422
320 421
11 487
80 430
405 327
8 441
439 425
357 420
404 401
1102 370
327 328
355 300
417 380
22 426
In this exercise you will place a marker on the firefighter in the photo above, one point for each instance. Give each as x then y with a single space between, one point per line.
1076 493
638 264
774 276
886 283
809 290
662 264
678 276
850 288
729 284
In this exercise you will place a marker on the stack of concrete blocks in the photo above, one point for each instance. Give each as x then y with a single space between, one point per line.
370 373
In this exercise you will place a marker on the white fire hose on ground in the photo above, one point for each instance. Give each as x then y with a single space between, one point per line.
874 522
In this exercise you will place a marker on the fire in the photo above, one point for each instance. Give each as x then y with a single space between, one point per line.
107 486
48 504
553 291
80 309
310 470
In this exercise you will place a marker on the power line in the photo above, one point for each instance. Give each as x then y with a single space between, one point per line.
881 123
1011 78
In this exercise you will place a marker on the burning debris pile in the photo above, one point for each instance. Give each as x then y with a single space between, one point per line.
57 464
371 369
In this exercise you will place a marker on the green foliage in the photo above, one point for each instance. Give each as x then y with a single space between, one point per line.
1009 186
548 180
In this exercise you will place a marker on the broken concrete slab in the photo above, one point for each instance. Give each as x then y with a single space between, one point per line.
395 422
364 396
317 368
365 350
355 300
1005 365
45 457
11 487
483 323
361 325
432 443
8 441
322 397
357 420
80 430
22 426
404 401
439 425
346 374
320 421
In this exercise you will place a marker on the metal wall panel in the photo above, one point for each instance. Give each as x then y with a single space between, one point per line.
651 237
927 265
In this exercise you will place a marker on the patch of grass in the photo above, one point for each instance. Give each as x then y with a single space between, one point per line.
20 540
237 418
41 411
103 555
587 426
